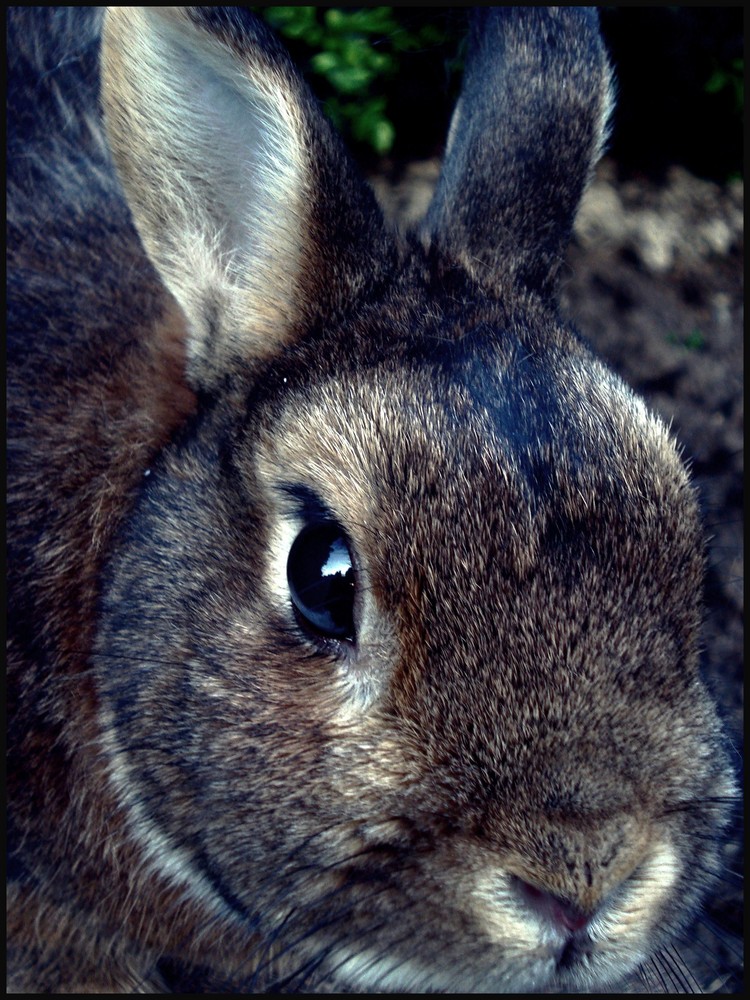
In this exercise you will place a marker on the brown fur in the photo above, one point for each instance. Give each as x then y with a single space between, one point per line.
511 778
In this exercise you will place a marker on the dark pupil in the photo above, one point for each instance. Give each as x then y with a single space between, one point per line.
321 580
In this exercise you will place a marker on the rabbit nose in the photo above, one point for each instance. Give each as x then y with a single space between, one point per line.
561 913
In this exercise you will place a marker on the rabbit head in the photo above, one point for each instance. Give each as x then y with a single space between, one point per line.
396 657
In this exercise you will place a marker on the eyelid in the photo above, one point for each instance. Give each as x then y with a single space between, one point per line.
307 505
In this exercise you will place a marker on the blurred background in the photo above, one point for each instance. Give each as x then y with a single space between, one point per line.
653 278
389 77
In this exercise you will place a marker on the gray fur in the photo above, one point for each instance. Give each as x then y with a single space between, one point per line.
513 778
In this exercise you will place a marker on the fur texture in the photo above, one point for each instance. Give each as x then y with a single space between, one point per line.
511 778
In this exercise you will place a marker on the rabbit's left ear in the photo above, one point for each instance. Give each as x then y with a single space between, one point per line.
529 126
241 192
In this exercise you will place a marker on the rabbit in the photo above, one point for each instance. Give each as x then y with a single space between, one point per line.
354 605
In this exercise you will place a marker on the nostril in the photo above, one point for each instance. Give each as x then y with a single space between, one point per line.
561 913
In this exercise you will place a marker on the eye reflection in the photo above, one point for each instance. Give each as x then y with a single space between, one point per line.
321 580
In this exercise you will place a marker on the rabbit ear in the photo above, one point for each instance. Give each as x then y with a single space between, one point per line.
241 192
528 128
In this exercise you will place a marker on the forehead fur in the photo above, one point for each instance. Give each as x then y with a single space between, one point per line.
537 423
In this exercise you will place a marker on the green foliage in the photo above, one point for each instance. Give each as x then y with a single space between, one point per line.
353 52
729 82
693 341
729 78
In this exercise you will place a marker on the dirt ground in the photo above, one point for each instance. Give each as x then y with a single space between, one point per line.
654 281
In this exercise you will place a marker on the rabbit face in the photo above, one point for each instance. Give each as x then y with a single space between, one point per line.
512 711
355 604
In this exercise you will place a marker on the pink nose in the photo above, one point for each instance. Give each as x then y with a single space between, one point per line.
560 912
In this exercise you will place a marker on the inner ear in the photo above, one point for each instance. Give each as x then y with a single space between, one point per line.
243 195
209 141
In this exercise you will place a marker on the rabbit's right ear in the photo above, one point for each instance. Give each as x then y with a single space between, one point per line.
528 129
241 192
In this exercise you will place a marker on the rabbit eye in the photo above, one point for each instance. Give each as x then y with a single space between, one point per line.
321 580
